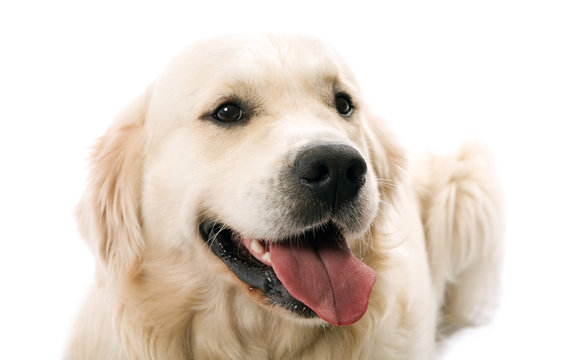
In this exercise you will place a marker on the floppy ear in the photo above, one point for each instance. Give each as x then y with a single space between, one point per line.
109 213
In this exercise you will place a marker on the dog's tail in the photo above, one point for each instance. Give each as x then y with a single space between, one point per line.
461 209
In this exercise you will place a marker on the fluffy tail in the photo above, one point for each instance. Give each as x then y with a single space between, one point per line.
461 209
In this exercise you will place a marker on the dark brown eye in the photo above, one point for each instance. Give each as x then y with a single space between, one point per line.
343 104
228 113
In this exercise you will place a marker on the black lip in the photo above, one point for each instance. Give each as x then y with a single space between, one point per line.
250 270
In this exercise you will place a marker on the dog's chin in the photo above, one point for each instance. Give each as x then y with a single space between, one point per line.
260 277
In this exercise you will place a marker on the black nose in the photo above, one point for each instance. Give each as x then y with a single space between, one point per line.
330 173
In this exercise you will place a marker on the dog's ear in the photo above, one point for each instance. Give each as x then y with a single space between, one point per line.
387 156
109 214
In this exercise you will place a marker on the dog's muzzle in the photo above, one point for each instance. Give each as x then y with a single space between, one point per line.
310 269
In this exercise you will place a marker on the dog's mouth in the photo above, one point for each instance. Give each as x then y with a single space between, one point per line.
313 274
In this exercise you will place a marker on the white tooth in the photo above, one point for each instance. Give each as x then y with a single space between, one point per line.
256 246
266 257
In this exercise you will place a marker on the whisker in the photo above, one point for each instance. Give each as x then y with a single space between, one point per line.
386 183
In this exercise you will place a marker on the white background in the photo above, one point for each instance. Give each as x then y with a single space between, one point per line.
511 73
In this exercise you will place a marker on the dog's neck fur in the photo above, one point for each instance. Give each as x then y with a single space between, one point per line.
231 329
184 326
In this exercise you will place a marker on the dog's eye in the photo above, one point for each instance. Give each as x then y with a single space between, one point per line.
228 113
343 104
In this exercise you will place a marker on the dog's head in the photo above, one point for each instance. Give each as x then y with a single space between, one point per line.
251 162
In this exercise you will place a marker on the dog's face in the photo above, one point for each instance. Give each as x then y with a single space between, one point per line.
258 161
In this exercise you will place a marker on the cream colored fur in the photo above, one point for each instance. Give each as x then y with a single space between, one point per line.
431 229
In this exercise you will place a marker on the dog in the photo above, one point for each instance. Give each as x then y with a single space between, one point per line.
248 205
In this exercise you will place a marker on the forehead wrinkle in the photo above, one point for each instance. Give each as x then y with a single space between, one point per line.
279 71
283 62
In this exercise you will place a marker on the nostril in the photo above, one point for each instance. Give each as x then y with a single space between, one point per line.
356 171
315 173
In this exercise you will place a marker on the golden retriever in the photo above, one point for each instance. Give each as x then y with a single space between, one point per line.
248 205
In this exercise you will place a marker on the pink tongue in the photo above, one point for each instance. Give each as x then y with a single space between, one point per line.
328 278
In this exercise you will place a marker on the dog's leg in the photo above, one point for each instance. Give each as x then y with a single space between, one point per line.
461 211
